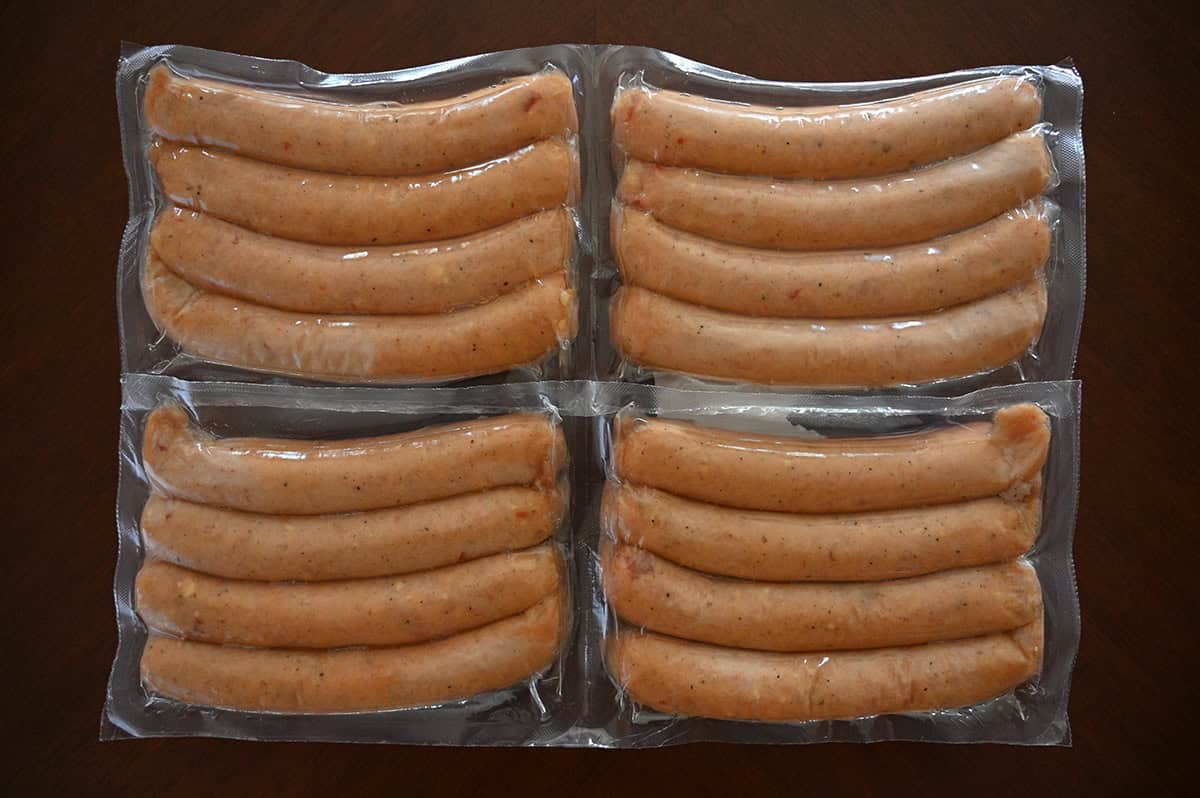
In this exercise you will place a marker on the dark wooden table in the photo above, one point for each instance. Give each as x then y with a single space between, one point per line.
65 205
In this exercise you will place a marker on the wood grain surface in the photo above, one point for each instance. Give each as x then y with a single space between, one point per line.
65 206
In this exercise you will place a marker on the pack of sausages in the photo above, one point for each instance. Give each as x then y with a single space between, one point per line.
597 564
591 396
920 235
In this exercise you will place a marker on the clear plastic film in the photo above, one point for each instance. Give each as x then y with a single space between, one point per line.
306 563
922 235
351 228
574 701
804 569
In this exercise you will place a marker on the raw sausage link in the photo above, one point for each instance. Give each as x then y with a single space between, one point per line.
338 209
803 475
830 142
396 540
353 680
685 678
901 209
302 477
999 254
367 138
784 547
513 330
658 595
658 332
384 611
430 278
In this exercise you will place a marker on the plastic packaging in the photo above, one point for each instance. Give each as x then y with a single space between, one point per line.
922 234
764 316
744 532
574 702
369 565
414 226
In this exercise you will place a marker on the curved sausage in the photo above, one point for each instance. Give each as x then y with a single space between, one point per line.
865 212
663 333
310 548
323 208
355 680
685 678
785 547
1001 253
362 138
304 477
835 475
384 611
429 278
513 330
838 141
658 595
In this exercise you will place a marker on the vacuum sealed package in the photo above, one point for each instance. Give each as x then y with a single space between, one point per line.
922 234
342 564
593 564
801 569
404 227
447 412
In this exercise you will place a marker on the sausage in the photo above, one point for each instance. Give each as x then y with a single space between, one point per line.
861 212
364 138
384 611
395 540
323 208
835 475
658 332
1001 253
782 547
355 680
429 278
656 594
685 678
838 141
516 329
304 477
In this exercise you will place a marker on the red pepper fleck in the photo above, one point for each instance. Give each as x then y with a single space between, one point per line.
162 447
462 556
287 145
522 513
629 113
639 201
533 100
679 140
795 293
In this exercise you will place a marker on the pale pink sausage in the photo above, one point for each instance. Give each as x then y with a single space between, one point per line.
393 540
517 329
356 679
658 332
685 678
837 141
383 611
309 477
904 208
656 594
1001 253
323 208
363 138
433 277
787 547
951 463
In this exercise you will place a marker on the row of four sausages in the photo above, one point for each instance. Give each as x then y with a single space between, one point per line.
750 576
